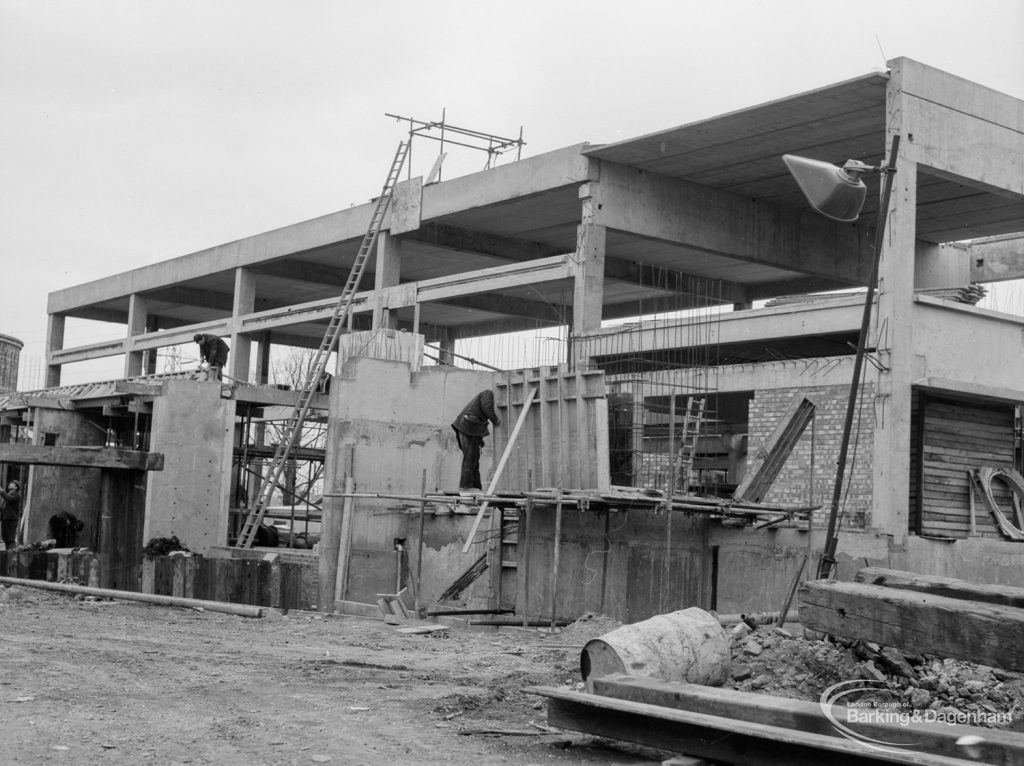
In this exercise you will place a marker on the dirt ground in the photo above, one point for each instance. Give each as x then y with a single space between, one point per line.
119 682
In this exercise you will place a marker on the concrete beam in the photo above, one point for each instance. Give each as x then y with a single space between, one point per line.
793 321
81 457
553 170
469 241
192 296
995 260
713 221
517 307
439 289
509 248
564 167
298 270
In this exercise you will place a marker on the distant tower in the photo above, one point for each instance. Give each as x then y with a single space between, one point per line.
10 351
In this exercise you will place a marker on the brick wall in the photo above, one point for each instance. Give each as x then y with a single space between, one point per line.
792 484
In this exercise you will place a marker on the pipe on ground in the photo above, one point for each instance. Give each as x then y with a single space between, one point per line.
242 610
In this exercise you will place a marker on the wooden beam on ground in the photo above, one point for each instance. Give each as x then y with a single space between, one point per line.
82 457
1004 595
987 634
715 737
936 738
242 610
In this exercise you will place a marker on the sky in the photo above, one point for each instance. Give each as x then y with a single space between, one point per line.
133 131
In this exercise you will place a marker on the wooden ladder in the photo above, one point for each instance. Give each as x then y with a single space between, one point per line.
693 420
339 319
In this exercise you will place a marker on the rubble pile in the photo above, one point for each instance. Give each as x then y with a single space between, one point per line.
161 546
773 660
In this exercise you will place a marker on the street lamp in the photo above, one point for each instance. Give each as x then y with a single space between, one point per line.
838 193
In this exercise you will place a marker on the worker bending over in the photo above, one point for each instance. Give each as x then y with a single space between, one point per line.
213 352
470 429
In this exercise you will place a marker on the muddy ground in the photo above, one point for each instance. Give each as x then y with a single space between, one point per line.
118 683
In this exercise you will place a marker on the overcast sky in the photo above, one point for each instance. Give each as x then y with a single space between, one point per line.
133 131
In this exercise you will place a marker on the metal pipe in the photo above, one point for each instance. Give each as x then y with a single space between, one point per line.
828 556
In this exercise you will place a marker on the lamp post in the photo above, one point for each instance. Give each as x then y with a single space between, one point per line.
838 193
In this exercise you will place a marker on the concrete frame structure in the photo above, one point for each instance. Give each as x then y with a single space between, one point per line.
575 237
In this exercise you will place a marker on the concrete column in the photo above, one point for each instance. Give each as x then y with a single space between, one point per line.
54 342
446 347
263 357
891 469
149 357
241 343
588 289
138 314
387 272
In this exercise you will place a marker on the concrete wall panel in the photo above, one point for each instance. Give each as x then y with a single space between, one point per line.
192 428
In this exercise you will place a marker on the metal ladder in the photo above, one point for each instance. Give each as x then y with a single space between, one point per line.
342 311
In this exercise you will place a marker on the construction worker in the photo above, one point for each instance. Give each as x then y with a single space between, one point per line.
10 513
213 352
470 429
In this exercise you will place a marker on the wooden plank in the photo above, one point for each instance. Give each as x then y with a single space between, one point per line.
545 476
987 634
563 429
935 738
500 467
81 457
1005 595
715 737
344 543
583 461
602 449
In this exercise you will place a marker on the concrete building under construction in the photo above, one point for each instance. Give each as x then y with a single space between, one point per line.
704 342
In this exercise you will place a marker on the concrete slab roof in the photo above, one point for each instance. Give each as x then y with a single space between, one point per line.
726 169
741 152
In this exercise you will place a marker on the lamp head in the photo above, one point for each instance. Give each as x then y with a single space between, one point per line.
836 193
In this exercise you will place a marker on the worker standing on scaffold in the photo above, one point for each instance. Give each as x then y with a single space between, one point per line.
470 429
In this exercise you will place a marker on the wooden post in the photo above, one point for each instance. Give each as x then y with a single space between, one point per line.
148 584
525 559
330 538
669 490
106 573
191 564
556 556
345 544
494 555
419 543
178 581
275 591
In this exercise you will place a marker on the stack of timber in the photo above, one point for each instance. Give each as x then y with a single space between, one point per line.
922 614
614 499
736 727
949 441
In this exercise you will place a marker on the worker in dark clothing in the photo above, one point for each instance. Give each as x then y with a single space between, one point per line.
10 513
64 528
214 352
470 429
